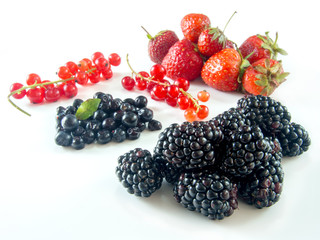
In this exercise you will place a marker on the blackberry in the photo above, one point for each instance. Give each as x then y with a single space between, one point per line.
169 172
209 193
263 188
229 121
247 149
190 145
154 125
271 116
139 173
294 139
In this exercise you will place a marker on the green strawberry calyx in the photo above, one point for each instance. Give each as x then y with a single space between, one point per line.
271 45
150 37
270 77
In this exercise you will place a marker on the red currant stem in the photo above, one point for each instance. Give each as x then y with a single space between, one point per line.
39 85
195 101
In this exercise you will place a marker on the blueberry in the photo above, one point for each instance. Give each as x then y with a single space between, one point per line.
63 139
69 122
93 125
109 124
99 115
129 119
77 102
115 104
145 114
133 133
119 135
89 136
77 143
141 101
104 136
154 125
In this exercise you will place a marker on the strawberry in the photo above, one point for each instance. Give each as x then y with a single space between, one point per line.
221 70
183 61
193 24
263 77
211 41
260 47
160 44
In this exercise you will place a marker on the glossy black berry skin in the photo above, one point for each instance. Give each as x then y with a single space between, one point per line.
208 193
115 120
139 173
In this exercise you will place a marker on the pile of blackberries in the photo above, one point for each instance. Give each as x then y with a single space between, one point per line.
114 120
211 164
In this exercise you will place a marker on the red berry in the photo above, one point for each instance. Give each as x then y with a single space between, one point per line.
94 77
96 55
171 101
128 82
52 94
16 86
158 72
173 91
182 83
64 72
70 90
73 67
159 92
107 74
35 95
114 59
102 64
203 112
184 102
47 86
33 79
203 96
81 78
190 114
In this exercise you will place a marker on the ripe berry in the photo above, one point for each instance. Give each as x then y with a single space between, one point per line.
16 86
81 78
203 96
173 91
102 64
183 102
73 67
158 72
182 83
52 94
35 95
96 55
158 92
94 77
33 79
203 112
107 74
70 90
114 59
128 82
64 72
190 115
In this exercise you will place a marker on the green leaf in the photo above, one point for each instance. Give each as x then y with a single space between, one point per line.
87 108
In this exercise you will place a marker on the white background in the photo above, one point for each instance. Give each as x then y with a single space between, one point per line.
48 192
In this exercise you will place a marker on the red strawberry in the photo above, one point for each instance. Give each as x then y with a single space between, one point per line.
260 47
160 44
222 70
183 61
193 24
263 77
213 40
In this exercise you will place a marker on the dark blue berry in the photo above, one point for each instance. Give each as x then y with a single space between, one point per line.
69 122
63 139
129 119
118 135
104 136
154 125
145 114
77 143
141 101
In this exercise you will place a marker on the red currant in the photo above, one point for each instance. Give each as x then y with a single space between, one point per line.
33 79
96 55
94 77
35 95
190 115
73 67
128 82
203 112
173 91
182 83
81 78
158 72
64 72
47 86
203 96
114 59
171 101
107 74
52 94
70 90
159 92
16 86
102 64
184 102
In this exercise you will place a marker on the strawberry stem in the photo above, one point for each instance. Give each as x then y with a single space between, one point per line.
148 34
229 21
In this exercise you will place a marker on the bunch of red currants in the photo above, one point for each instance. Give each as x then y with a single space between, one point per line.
174 94
92 70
